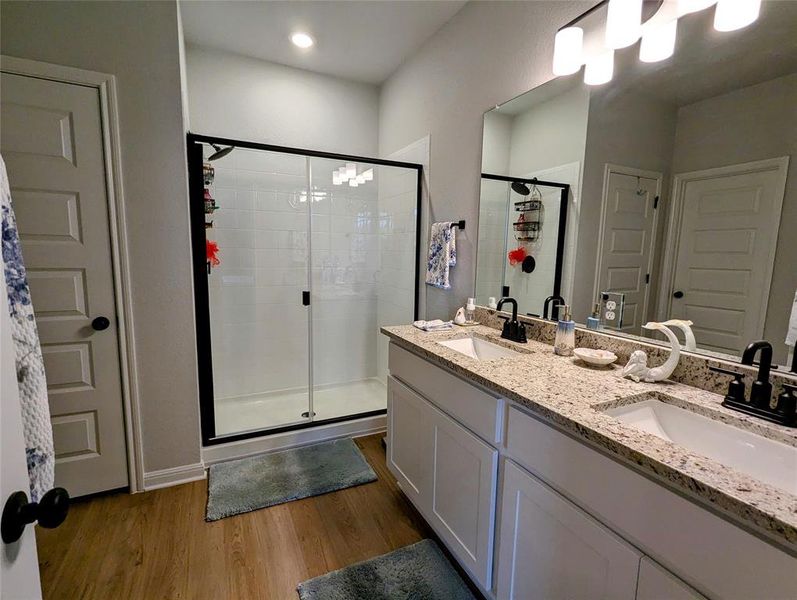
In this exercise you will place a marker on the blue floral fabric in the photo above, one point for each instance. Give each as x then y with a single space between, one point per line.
32 383
442 255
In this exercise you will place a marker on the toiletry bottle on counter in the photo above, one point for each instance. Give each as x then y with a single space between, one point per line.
470 310
491 303
594 321
565 334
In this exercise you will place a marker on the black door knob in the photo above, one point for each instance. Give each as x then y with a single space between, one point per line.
50 512
100 323
678 294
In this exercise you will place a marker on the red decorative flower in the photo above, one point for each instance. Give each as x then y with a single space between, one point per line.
516 256
212 249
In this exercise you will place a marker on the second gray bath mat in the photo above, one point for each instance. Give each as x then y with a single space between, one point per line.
248 484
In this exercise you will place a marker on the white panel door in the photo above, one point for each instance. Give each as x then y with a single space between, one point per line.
409 437
463 490
656 583
53 147
549 548
726 245
628 228
19 567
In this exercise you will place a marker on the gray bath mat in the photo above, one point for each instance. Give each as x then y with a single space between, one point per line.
417 572
248 484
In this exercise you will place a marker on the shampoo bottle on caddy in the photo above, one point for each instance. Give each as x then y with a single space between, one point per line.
565 334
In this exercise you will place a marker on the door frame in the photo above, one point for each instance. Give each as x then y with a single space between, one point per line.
200 265
675 218
105 84
610 168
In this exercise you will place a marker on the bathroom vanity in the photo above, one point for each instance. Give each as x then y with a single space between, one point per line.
539 493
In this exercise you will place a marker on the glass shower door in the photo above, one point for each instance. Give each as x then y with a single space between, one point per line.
362 263
259 322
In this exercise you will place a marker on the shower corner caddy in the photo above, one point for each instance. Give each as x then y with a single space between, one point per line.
527 227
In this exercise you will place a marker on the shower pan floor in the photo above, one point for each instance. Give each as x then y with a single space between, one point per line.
277 409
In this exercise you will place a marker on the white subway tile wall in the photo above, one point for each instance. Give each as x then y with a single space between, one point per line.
359 258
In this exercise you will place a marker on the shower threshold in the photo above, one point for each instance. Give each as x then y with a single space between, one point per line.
280 410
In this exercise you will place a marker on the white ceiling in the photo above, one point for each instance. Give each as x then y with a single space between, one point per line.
364 41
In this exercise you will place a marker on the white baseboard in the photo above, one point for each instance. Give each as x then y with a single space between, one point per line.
292 439
173 476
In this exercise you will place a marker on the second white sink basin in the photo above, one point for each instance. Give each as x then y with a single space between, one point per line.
767 460
478 348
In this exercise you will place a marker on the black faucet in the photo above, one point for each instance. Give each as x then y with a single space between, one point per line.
762 389
555 309
513 329
784 411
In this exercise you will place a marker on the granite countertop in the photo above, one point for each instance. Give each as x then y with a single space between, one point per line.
572 395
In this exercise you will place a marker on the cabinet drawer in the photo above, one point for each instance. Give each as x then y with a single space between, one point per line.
471 406
665 525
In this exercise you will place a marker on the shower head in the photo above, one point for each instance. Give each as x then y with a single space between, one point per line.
220 152
521 188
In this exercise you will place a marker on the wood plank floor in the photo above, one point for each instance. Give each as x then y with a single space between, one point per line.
158 545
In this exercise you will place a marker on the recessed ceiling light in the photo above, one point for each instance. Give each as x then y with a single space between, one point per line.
301 39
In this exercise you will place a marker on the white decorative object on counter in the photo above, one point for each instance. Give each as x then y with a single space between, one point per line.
595 357
690 345
459 318
637 368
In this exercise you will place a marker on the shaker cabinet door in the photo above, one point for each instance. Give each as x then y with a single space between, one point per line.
409 441
550 548
464 472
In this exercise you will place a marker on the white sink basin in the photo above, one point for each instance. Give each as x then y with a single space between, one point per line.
767 460
478 348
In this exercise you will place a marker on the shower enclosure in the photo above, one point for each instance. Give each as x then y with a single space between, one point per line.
299 258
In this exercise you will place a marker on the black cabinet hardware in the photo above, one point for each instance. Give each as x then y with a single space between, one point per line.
306 298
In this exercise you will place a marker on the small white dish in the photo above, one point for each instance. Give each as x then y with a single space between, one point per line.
595 357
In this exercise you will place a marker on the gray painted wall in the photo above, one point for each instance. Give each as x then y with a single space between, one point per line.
108 37
249 99
488 53
745 125
630 130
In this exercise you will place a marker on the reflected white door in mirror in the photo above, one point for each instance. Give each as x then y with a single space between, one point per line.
720 251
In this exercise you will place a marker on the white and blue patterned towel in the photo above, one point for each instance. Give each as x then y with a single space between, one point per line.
442 255
36 425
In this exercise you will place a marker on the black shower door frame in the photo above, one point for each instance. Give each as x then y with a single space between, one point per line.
196 186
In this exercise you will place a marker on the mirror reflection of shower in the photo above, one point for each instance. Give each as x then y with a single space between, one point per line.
220 152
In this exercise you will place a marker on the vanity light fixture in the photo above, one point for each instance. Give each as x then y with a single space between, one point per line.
658 33
302 40
599 69
623 23
591 38
567 51
351 170
731 15
658 43
368 175
353 182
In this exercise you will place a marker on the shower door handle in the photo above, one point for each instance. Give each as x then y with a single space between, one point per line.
306 298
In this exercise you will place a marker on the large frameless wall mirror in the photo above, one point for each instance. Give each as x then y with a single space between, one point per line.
681 184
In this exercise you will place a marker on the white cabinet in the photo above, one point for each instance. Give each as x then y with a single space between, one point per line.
448 473
656 583
409 440
549 548
464 473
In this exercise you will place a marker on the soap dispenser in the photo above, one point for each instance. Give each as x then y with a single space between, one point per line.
594 321
470 310
565 334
